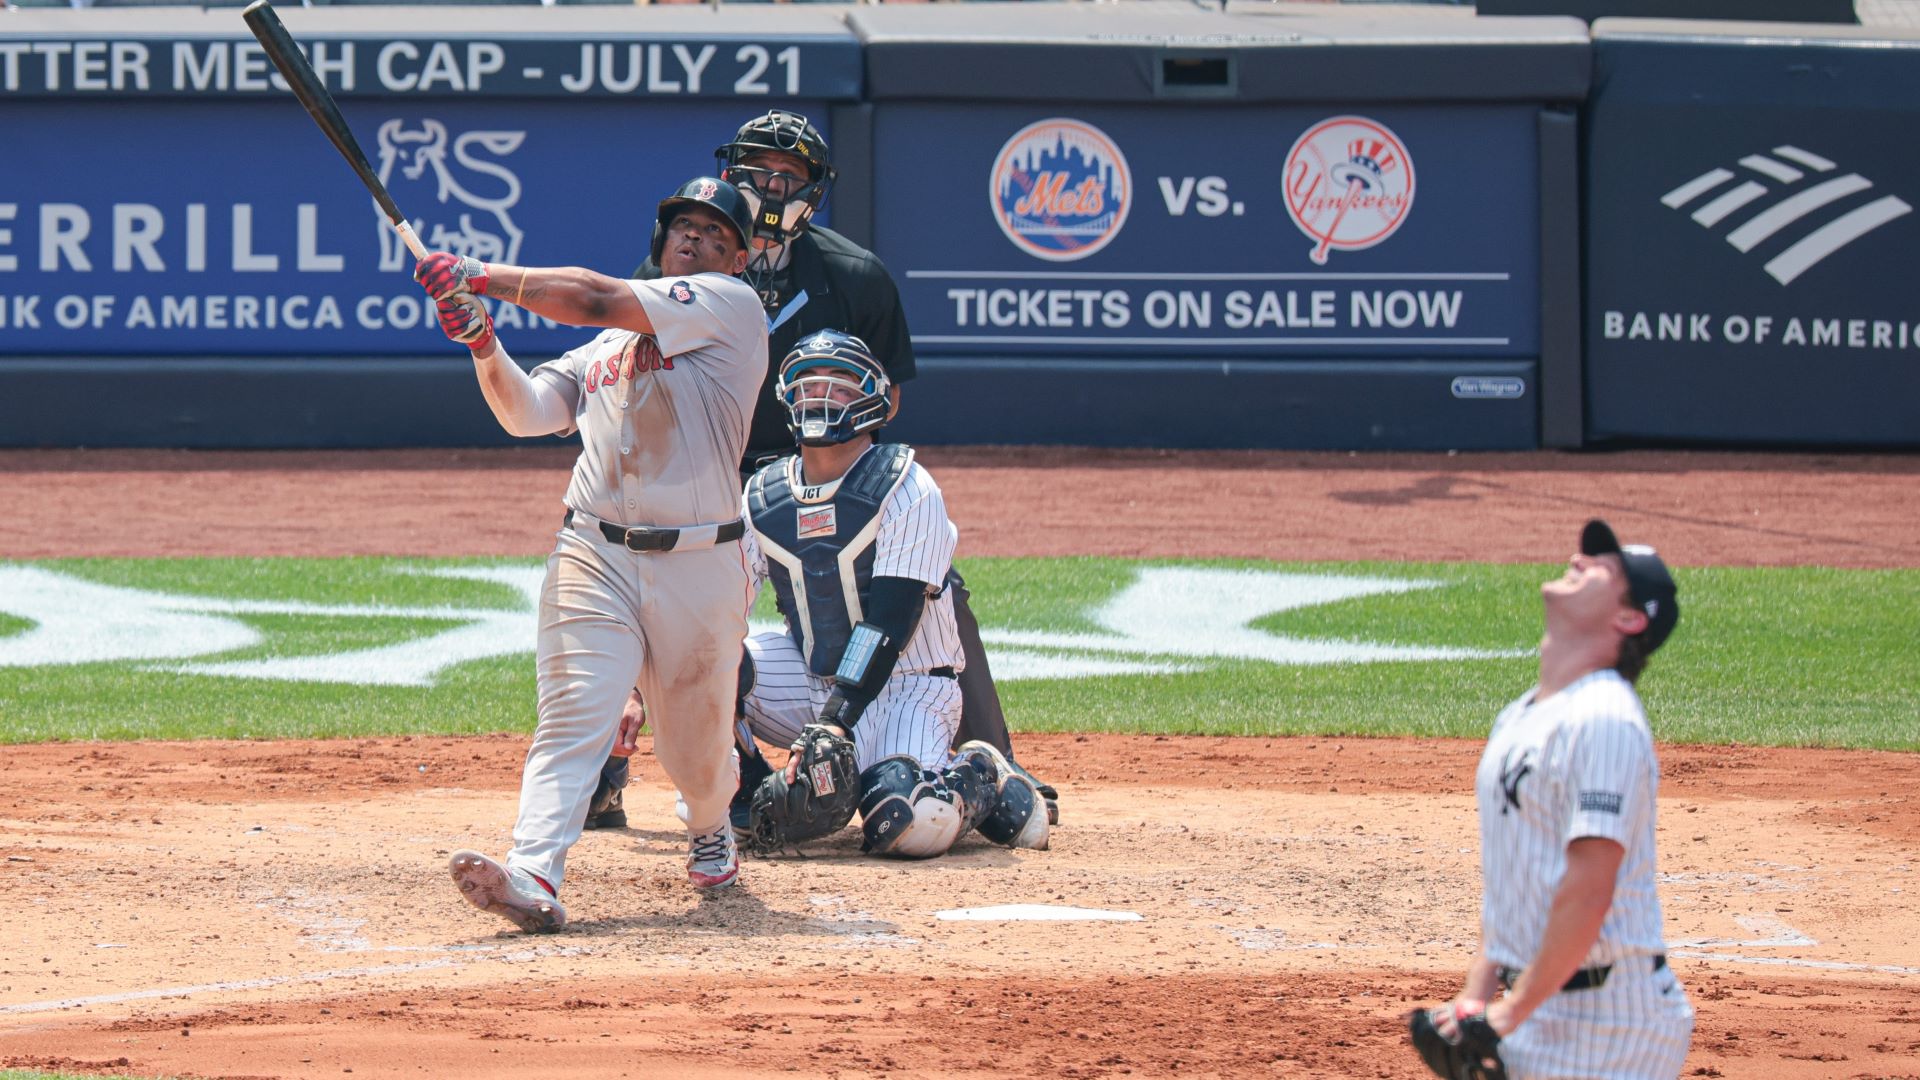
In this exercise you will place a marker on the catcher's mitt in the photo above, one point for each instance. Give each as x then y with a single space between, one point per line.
1473 1053
820 801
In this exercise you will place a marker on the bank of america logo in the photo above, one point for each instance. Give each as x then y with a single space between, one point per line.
1786 167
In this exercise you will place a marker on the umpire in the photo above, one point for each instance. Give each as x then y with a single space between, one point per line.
811 278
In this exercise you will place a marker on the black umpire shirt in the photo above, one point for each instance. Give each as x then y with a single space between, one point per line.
829 283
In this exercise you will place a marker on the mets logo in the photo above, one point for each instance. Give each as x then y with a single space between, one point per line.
1060 189
681 291
1791 206
1349 184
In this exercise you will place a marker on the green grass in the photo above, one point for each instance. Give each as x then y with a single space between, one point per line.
1803 656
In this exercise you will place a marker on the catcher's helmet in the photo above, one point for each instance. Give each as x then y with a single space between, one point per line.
778 216
819 365
705 191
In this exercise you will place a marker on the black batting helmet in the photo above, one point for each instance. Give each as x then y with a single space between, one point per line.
708 191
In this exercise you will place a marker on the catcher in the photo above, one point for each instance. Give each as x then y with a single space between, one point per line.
1570 922
855 539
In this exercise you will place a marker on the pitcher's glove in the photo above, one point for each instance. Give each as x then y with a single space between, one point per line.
1473 1051
819 802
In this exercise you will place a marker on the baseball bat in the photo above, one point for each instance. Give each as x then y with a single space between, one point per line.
299 74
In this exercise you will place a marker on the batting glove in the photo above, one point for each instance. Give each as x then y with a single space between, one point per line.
464 319
443 274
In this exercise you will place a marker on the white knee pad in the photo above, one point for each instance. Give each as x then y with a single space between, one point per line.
905 811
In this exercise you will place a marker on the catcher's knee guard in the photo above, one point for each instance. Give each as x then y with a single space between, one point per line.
1018 817
906 811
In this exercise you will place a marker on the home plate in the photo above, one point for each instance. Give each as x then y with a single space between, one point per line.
1035 913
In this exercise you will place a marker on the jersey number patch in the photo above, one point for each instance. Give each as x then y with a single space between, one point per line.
816 522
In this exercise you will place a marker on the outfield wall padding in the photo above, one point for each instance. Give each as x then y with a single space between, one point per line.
1751 235
1289 232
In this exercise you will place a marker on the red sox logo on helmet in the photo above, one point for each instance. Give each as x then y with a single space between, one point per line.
1349 184
707 190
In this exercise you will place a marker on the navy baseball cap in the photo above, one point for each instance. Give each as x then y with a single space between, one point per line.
1648 581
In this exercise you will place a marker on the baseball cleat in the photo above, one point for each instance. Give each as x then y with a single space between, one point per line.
753 771
713 860
607 810
1019 819
514 895
1047 793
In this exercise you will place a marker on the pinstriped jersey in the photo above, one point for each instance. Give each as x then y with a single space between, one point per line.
1579 764
910 537
663 416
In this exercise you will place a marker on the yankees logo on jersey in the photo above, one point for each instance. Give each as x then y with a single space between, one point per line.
1513 771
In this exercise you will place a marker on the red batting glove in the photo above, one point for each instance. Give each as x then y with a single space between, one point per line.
464 319
443 274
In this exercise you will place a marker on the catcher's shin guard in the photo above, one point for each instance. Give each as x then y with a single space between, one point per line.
974 781
606 810
1018 817
906 811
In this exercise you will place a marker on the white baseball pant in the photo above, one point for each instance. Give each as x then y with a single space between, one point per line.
612 619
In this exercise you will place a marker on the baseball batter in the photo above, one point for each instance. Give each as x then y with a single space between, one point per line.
1570 920
810 279
647 584
855 540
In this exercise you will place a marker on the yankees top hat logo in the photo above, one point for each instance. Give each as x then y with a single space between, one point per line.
1349 184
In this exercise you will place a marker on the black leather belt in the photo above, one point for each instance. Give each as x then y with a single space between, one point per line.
1584 979
649 538
943 673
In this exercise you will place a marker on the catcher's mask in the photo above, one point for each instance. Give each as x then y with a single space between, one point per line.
705 191
782 203
833 389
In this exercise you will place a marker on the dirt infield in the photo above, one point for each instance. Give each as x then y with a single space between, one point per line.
280 909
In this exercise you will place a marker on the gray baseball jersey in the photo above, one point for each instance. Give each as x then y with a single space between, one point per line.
663 417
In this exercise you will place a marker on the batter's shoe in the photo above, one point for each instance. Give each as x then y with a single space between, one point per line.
713 859
606 810
514 895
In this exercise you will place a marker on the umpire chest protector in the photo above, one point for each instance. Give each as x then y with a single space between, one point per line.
819 544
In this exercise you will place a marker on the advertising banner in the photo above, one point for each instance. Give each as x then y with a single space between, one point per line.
1750 244
1219 232
158 228
506 65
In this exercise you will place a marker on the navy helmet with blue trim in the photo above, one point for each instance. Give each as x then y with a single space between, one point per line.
820 365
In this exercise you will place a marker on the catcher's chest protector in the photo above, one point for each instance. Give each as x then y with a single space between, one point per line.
819 544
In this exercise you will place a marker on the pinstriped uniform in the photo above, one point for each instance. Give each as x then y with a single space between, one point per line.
1579 764
916 713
